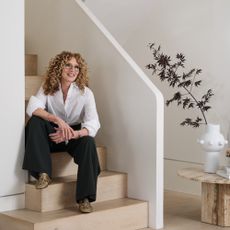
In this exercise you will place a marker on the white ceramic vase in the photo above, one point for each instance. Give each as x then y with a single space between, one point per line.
212 142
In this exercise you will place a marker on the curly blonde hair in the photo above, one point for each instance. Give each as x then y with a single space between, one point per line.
54 72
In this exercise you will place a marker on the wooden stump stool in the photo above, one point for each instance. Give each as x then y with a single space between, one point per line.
215 197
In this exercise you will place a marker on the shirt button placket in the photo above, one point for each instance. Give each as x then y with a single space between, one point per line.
66 117
65 108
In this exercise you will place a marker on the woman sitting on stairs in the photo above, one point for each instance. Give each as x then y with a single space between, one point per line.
64 118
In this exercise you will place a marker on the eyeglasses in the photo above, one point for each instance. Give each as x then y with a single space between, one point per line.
69 66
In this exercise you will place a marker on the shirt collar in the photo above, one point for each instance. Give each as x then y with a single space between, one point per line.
74 85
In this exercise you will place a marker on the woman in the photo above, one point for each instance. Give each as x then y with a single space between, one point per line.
64 118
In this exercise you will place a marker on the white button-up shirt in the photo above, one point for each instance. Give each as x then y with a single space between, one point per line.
79 107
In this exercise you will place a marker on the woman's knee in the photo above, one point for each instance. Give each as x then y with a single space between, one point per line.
36 123
35 120
88 140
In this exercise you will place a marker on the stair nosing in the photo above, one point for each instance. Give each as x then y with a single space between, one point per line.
72 178
73 211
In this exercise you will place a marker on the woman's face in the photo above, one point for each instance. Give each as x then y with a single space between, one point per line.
70 71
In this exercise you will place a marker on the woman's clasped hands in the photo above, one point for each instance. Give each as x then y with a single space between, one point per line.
63 132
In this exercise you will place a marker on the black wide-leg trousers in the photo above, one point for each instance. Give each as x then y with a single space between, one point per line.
37 157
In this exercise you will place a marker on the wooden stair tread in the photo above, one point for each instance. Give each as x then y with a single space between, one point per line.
31 64
32 84
34 77
60 193
72 178
146 229
38 217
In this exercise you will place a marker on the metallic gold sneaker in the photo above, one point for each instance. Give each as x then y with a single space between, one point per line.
43 181
85 206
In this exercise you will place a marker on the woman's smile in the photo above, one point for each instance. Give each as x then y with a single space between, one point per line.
70 71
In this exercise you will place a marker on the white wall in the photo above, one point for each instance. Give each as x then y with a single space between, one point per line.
200 30
131 130
12 176
122 18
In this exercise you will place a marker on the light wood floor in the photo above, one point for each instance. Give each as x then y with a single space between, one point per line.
182 212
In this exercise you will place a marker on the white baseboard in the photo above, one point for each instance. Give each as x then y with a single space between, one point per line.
12 202
175 183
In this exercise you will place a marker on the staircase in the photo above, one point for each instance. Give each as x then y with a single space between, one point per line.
54 207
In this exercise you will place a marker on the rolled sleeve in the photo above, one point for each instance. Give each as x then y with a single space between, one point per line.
91 120
35 102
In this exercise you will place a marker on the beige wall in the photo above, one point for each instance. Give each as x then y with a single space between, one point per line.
200 30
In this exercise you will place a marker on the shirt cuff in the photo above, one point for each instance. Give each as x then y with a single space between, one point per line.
91 128
34 103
